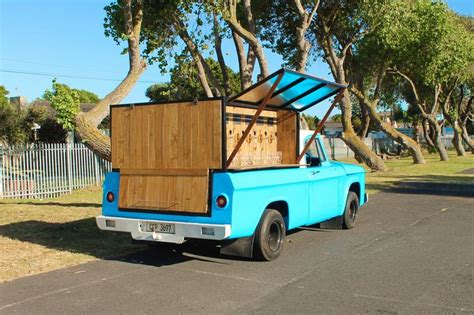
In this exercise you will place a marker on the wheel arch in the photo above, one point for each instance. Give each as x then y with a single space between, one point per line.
282 207
355 188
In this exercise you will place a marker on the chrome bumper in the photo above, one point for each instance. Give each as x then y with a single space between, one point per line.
182 230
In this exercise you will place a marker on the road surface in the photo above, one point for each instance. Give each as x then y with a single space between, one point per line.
407 254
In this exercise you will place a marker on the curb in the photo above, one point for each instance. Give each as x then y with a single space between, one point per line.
433 188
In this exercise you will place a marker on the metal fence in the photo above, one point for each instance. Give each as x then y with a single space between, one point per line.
48 170
337 149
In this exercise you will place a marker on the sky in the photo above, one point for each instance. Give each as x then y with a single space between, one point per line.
64 39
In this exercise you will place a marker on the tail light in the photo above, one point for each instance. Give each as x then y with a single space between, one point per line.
110 196
221 201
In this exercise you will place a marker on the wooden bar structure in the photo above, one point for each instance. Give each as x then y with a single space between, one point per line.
254 120
166 152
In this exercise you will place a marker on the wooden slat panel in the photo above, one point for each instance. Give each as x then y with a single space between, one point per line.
167 136
287 128
164 193
163 172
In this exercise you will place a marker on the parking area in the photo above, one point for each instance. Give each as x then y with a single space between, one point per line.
409 253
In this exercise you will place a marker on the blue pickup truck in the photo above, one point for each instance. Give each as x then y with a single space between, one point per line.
239 170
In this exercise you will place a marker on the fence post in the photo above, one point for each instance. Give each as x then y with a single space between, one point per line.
1 173
69 166
97 173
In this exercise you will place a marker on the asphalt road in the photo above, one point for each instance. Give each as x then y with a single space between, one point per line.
408 254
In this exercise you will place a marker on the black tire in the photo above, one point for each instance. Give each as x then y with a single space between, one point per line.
351 211
269 236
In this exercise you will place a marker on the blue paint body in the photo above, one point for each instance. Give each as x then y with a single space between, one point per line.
311 194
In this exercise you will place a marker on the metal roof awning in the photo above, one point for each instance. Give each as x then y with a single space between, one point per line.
294 91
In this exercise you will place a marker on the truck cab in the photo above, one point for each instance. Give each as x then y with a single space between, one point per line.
239 171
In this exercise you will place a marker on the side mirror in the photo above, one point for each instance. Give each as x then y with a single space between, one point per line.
312 160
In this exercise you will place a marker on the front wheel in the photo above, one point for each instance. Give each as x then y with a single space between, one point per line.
270 235
351 211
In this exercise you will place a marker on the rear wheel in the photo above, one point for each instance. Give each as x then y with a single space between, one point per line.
351 211
270 235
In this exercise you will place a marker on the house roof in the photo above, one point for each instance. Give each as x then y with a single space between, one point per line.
296 91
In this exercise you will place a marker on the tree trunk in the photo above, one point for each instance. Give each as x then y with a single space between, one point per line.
92 137
205 74
246 63
466 138
248 35
427 133
360 149
404 140
351 139
365 122
457 140
302 44
220 56
438 144
86 123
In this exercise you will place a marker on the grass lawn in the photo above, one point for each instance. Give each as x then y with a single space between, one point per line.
43 235
433 171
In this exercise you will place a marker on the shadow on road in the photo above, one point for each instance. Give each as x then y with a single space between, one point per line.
60 204
83 237
462 186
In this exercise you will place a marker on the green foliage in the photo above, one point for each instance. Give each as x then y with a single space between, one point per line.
160 92
312 121
3 95
11 127
185 85
39 112
158 31
427 40
87 97
65 102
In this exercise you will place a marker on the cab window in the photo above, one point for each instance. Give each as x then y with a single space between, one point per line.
315 155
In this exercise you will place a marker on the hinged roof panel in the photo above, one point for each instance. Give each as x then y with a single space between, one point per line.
295 91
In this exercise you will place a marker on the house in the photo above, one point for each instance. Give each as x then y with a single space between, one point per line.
332 128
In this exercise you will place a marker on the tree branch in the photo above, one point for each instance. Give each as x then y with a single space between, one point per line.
220 56
249 36
303 45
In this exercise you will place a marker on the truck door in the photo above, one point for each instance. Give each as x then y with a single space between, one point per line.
323 185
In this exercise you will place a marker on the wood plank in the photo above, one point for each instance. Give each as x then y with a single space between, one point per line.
169 136
164 193
163 172
286 131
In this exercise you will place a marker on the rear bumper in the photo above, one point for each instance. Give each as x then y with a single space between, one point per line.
182 230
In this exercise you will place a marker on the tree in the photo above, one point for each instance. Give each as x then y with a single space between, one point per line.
431 28
160 92
41 113
129 29
367 62
66 103
286 26
11 127
337 27
185 86
3 96
312 121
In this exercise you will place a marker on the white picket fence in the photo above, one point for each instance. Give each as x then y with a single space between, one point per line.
48 170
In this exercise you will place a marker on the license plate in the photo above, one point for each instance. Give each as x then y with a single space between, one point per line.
160 227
